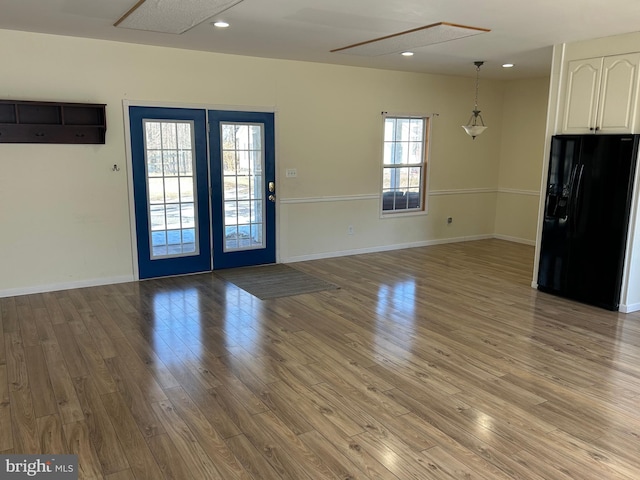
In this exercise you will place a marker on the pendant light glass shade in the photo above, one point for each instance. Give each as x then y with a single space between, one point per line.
475 126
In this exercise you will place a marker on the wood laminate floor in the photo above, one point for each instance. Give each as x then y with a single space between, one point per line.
429 363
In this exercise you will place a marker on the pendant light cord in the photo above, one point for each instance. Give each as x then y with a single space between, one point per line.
477 85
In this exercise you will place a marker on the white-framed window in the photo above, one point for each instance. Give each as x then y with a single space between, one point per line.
404 163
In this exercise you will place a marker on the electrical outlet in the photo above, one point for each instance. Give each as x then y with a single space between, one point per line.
449 220
350 230
291 173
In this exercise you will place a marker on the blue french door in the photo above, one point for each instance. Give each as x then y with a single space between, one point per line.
243 188
171 190
196 210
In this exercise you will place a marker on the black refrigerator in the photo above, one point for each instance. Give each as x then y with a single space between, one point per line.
586 217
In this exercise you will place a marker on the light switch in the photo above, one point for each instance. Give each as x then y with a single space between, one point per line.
291 173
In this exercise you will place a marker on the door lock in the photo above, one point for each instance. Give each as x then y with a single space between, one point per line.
272 187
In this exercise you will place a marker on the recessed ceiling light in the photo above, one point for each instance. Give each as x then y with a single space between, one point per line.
407 54
220 24
507 65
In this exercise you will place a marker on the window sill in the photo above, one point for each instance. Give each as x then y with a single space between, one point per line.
402 213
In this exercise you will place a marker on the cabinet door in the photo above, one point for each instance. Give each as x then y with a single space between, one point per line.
618 94
581 95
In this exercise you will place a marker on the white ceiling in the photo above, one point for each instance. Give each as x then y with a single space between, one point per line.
522 32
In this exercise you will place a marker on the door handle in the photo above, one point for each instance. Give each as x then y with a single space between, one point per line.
272 198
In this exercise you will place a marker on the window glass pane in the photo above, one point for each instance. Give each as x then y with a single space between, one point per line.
160 251
169 138
243 163
188 247
153 135
389 129
173 216
256 234
154 163
174 237
242 137
416 129
230 190
230 213
171 190
185 162
415 153
388 153
244 236
386 178
189 235
184 136
170 162
244 210
413 198
156 190
256 211
402 130
401 156
228 137
187 215
404 177
243 187
186 189
256 187
229 163
157 217
415 173
159 238
231 237
255 137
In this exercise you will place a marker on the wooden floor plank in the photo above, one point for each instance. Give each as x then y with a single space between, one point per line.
44 402
79 443
62 385
192 452
99 428
6 438
206 435
141 461
170 462
433 362
51 434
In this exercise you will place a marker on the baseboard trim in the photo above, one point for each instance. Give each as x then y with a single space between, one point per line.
634 307
515 239
96 282
382 248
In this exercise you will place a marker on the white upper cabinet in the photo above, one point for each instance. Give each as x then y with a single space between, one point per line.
601 95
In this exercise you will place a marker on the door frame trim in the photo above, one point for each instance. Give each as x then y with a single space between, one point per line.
129 161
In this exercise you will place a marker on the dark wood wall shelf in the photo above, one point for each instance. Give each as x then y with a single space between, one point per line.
23 121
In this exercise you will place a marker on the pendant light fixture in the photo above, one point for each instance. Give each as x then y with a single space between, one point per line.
475 126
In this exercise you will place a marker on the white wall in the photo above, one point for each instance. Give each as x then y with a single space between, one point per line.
64 213
522 148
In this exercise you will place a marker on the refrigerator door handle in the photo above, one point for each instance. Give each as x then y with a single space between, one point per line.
571 203
576 197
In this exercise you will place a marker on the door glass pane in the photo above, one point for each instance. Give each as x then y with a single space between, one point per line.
171 187
243 164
